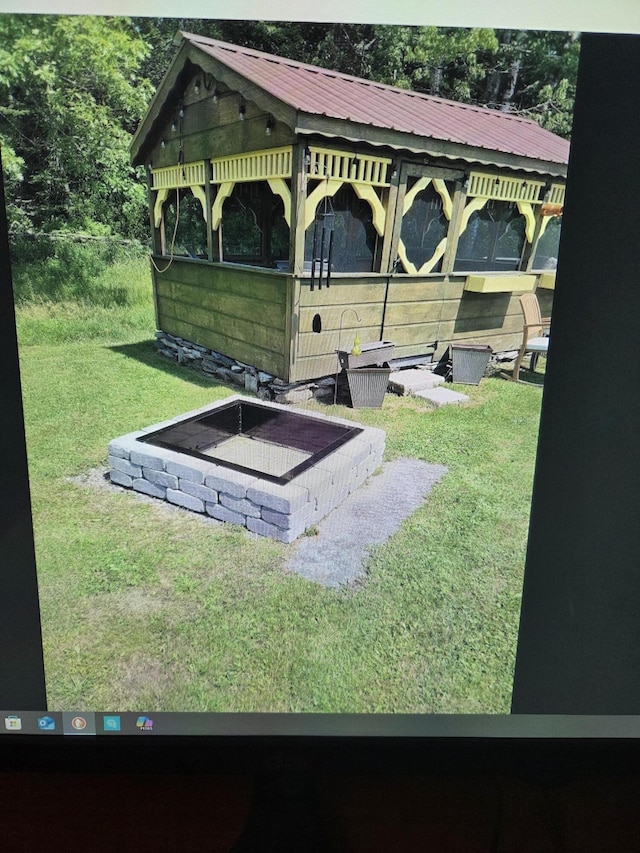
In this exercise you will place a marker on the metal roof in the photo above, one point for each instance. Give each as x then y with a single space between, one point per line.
321 92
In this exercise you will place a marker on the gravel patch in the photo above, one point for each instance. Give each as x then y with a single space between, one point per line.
369 516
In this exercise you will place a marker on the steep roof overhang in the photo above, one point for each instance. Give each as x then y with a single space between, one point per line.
423 146
189 56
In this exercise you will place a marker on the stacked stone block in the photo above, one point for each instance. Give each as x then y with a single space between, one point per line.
245 376
282 512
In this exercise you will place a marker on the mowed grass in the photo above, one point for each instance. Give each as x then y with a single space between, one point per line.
148 607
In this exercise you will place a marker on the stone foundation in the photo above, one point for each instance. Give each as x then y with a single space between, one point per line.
245 376
282 512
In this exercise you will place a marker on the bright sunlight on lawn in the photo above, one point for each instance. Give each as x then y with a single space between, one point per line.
147 607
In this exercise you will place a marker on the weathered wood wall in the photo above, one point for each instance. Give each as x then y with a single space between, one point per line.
213 128
411 311
267 318
241 312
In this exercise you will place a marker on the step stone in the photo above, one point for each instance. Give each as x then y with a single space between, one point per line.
442 396
411 381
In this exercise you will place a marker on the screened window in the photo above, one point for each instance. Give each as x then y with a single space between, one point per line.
254 230
493 239
546 256
186 233
424 226
354 236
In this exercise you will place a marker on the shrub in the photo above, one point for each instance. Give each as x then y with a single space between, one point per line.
76 268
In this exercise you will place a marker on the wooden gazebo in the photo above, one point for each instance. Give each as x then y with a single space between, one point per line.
282 194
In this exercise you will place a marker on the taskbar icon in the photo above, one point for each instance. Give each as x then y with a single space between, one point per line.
144 724
82 723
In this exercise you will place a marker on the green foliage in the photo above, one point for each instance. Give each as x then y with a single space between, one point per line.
74 88
56 268
80 290
539 71
70 98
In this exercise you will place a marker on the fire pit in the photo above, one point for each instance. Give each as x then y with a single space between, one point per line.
272 470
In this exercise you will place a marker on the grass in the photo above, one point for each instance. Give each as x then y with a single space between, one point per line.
144 606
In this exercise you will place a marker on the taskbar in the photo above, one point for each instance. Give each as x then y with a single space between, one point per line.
76 723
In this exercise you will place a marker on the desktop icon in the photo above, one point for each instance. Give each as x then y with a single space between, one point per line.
46 724
111 723
12 723
74 723
144 724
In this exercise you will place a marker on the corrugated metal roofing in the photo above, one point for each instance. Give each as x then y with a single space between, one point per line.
319 91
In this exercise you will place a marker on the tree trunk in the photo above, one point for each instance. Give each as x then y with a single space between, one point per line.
437 73
512 82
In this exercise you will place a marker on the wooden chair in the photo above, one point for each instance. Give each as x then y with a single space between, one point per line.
533 338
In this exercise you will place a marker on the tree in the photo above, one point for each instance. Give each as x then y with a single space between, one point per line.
70 99
73 90
534 74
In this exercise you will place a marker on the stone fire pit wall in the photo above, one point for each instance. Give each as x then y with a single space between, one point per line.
282 512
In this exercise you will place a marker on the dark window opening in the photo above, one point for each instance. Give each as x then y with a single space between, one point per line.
424 226
354 236
493 240
546 256
189 237
254 230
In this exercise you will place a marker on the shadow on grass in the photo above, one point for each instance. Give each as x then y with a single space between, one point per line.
525 376
146 353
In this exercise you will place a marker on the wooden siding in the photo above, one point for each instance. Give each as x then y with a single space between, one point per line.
417 312
266 318
213 128
314 353
438 308
238 311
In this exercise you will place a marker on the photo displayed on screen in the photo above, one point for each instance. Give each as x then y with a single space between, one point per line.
273 285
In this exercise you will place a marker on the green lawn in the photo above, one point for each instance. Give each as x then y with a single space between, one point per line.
147 607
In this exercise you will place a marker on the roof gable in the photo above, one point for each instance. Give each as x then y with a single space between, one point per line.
326 98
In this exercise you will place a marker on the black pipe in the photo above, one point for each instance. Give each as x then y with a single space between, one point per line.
313 252
330 256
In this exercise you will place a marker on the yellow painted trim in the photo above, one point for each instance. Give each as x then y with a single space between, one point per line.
500 283
367 193
547 280
179 176
526 210
445 195
349 166
447 206
279 187
502 188
402 254
543 225
433 260
427 266
254 166
199 193
224 191
474 204
323 190
157 207
556 196
410 196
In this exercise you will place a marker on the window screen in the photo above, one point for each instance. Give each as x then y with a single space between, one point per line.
493 239
424 226
546 256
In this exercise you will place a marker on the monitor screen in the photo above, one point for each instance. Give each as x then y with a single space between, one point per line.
241 496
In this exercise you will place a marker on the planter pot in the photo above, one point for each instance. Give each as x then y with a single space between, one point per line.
374 354
368 386
470 362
